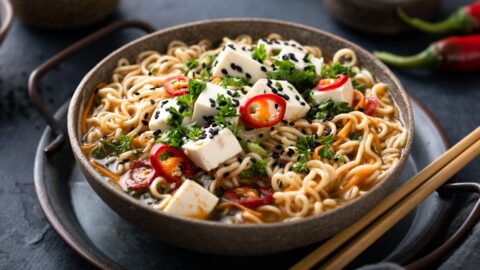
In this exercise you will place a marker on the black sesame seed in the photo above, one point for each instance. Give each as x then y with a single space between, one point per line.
136 93
297 97
226 174
211 100
152 101
212 177
278 147
260 135
231 46
276 106
233 66
302 103
275 155
145 116
157 132
263 68
248 75
240 69
145 123
290 152
272 128
224 71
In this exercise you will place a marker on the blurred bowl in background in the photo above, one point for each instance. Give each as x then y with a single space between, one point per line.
62 14
379 16
5 18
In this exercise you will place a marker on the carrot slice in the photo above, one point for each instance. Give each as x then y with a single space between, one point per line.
342 135
361 102
104 171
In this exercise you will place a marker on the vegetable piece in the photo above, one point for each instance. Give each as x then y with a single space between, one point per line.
171 163
256 148
258 170
303 80
453 53
140 175
327 110
465 20
225 109
331 84
121 144
233 81
249 196
370 105
177 85
336 69
260 106
260 53
191 64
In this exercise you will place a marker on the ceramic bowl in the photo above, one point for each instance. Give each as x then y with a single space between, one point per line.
215 237
62 14
5 18
379 16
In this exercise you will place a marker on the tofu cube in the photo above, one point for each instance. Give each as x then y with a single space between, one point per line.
191 200
158 121
343 93
273 45
297 107
214 147
205 106
237 61
301 60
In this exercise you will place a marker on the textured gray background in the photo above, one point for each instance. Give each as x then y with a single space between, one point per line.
27 241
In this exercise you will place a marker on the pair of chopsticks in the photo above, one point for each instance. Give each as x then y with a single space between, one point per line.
359 236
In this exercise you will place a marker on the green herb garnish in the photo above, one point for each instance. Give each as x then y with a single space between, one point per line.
332 71
303 80
121 144
191 64
233 81
258 169
260 53
327 110
225 109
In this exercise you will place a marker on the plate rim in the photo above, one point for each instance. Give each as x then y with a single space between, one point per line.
104 263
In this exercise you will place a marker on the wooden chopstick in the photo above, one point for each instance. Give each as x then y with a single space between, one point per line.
341 238
388 220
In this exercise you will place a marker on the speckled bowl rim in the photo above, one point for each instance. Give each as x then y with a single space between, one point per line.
5 22
74 133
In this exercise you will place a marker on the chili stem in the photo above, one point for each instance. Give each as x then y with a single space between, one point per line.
425 59
457 21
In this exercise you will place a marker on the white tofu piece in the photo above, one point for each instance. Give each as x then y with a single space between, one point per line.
205 106
279 45
301 60
297 107
237 61
158 121
191 200
343 93
214 147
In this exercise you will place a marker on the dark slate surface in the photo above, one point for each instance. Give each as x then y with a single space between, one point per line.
26 240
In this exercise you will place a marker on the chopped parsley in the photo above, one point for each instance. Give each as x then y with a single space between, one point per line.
233 81
121 144
306 145
303 80
359 86
332 71
356 137
153 71
225 109
327 110
260 53
258 169
191 64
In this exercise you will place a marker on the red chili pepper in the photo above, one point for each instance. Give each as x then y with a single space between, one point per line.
260 107
140 175
370 105
453 53
171 163
330 84
249 196
466 20
177 85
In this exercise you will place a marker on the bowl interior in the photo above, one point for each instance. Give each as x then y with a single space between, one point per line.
215 30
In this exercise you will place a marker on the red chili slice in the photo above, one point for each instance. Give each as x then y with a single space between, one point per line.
177 85
370 105
249 196
140 175
330 84
260 106
171 163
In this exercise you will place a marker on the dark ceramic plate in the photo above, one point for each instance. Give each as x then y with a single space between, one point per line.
103 238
